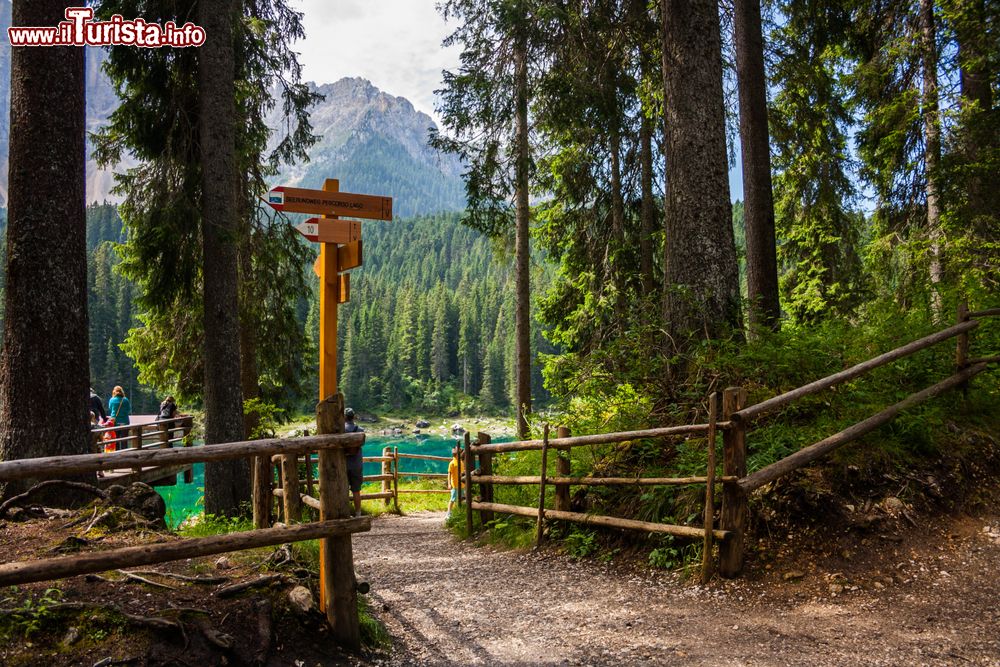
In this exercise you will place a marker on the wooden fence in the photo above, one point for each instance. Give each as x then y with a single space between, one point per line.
338 592
290 470
736 418
163 434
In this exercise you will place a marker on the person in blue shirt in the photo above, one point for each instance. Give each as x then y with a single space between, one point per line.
119 408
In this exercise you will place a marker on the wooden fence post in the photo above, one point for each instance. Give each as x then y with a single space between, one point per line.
468 483
540 523
485 468
290 483
395 478
134 434
337 583
563 469
188 425
386 470
164 428
262 495
734 501
706 552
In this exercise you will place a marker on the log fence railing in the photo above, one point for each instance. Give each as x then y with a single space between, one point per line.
160 434
289 470
736 417
338 585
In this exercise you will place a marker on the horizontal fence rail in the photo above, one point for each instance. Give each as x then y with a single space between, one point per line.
605 521
149 554
596 481
772 404
54 466
599 439
809 454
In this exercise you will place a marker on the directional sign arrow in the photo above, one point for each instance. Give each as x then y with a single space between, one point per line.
320 202
321 230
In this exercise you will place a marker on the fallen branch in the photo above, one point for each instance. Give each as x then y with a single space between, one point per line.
182 577
143 580
182 610
16 500
96 520
80 519
234 589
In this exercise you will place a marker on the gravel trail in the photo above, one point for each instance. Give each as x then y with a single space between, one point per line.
449 602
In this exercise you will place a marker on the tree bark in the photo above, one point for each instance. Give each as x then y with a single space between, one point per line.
522 317
979 137
647 212
44 368
932 150
227 484
701 279
758 204
615 274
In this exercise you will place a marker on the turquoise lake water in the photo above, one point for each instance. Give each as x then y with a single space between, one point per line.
183 500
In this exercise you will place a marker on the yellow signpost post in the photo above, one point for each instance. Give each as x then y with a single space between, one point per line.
340 251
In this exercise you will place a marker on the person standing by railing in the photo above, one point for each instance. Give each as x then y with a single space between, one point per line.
454 478
355 462
97 407
119 407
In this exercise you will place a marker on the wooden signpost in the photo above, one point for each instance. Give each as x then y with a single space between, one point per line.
330 231
330 202
340 250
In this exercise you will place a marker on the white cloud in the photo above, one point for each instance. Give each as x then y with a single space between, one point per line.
396 44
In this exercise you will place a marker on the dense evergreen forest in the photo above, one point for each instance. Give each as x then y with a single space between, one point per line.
428 324
425 328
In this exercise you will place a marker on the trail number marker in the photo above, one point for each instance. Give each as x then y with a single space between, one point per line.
330 231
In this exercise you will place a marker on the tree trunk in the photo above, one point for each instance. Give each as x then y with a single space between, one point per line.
979 137
44 368
932 150
701 280
522 319
758 205
615 274
227 484
648 211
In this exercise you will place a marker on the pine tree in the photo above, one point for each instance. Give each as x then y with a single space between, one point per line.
46 253
700 270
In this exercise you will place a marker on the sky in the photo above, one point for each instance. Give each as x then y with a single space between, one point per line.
395 44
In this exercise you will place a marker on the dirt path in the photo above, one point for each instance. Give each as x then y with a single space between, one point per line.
447 602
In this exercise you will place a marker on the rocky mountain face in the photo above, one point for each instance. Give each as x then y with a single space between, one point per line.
376 143
373 142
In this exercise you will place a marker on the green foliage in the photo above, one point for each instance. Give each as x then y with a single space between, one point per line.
818 230
666 557
373 633
580 543
269 417
162 251
210 524
28 615
430 332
